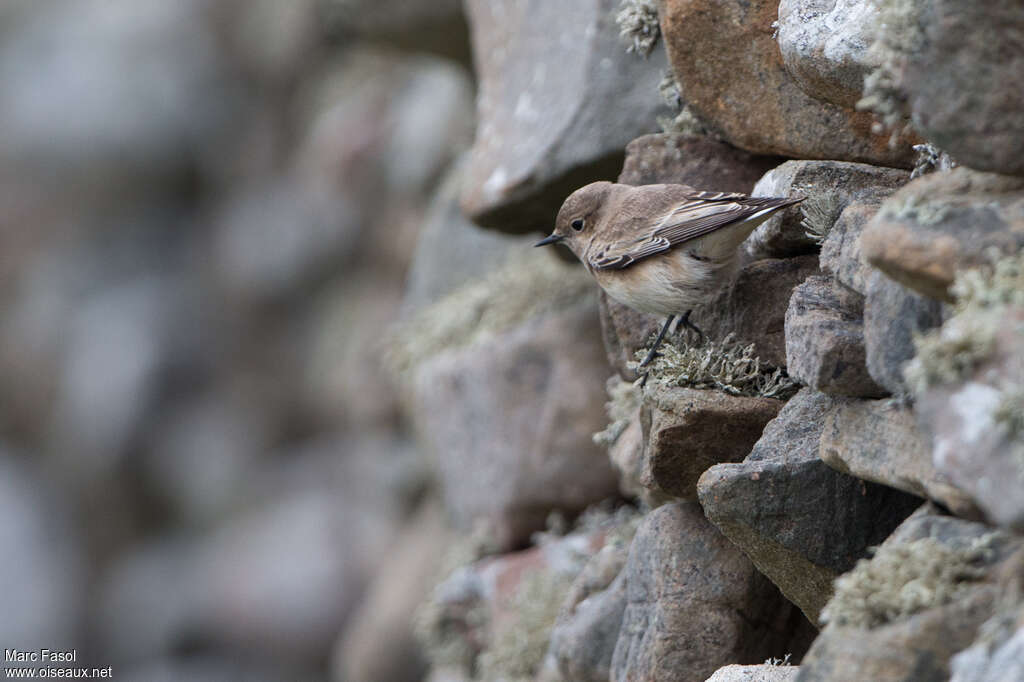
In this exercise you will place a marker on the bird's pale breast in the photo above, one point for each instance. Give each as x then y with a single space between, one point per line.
668 284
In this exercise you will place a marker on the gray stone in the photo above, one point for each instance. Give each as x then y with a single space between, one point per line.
892 316
148 601
43 576
523 382
686 431
824 45
425 25
944 222
588 624
831 184
782 506
559 98
450 250
973 424
729 67
755 673
879 442
680 565
825 340
840 254
377 642
986 663
699 162
932 48
493 618
929 618
753 309
583 644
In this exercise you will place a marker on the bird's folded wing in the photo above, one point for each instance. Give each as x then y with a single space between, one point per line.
695 216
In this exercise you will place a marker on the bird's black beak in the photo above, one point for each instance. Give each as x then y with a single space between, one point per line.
553 239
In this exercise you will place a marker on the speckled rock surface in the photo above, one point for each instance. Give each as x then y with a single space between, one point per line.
559 98
733 77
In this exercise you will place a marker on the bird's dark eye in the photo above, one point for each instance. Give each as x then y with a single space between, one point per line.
577 224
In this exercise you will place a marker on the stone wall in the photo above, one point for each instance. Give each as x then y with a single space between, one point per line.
286 394
831 487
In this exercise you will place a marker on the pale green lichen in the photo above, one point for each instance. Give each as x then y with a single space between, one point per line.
897 32
683 120
950 353
931 159
638 25
443 632
528 285
518 644
779 661
819 213
991 287
725 365
621 408
1009 414
924 210
903 579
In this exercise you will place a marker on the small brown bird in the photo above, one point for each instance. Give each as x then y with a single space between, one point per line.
661 249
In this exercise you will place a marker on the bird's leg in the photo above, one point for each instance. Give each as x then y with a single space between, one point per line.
653 353
684 321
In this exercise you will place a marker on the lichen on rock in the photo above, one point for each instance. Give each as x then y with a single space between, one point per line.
898 31
622 406
517 647
903 579
724 365
819 213
529 284
949 353
638 23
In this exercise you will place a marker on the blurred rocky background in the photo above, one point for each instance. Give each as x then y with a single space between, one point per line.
286 395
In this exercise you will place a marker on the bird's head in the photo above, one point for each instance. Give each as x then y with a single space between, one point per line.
578 216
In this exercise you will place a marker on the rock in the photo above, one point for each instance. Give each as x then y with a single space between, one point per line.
973 422
136 73
944 222
679 565
378 642
685 431
44 578
286 609
512 367
699 162
559 98
840 255
825 340
824 46
450 250
583 643
733 77
495 615
988 661
200 454
782 506
921 599
587 628
438 27
149 603
892 317
931 48
624 439
755 673
829 187
754 309
879 442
